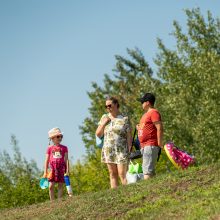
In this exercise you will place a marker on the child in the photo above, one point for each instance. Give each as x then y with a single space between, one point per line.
57 158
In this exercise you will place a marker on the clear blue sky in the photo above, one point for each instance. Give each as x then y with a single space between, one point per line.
51 51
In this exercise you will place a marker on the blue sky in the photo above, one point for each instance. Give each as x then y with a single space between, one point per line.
51 51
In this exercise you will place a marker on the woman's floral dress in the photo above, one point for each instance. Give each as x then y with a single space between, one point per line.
115 149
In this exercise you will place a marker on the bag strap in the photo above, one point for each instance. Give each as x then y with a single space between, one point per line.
135 131
159 153
133 162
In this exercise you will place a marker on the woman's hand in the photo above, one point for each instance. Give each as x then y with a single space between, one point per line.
100 130
129 149
137 126
106 120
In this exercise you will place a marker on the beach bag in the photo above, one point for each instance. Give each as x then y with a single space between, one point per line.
136 143
99 141
179 158
135 155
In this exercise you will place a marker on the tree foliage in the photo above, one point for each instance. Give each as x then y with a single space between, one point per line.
191 85
187 88
19 179
186 85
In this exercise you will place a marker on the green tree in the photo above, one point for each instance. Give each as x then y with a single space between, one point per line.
89 176
132 77
191 85
130 80
187 87
19 179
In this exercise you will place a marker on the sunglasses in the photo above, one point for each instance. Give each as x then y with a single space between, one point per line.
108 106
60 136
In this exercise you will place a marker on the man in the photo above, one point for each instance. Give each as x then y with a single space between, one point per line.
150 134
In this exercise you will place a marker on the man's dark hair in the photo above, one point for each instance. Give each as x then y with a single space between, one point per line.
148 97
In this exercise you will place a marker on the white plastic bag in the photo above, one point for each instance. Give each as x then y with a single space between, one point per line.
134 177
131 177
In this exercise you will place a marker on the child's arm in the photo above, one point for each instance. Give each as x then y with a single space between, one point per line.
67 163
46 165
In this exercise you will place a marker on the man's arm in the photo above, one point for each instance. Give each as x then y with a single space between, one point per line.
159 127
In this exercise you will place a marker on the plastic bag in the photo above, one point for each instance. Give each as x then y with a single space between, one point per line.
135 173
134 177
135 168
131 178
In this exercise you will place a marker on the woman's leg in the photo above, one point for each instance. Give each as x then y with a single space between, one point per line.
60 190
122 170
51 190
113 173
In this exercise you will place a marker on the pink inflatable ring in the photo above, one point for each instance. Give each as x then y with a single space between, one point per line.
179 158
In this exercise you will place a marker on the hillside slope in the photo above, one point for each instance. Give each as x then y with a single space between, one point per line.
192 194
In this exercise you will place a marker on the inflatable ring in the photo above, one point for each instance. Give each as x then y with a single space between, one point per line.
179 158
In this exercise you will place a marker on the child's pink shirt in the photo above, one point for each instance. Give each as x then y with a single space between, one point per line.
57 153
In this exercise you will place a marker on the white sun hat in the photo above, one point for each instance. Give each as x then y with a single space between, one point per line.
54 132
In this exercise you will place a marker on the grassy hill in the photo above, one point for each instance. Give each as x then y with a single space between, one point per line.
192 194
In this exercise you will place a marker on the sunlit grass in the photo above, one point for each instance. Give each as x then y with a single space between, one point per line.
192 194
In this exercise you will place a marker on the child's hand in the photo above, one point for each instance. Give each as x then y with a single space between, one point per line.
45 175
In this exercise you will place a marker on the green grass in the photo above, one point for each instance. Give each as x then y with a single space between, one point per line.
190 194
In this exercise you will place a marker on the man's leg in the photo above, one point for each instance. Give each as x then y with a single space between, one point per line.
150 154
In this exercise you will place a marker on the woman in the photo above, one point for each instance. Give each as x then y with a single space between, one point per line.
117 141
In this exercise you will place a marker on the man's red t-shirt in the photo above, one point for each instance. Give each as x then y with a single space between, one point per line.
147 131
